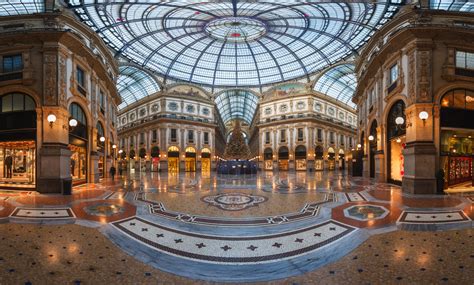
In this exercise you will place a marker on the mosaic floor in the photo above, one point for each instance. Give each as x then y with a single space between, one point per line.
284 228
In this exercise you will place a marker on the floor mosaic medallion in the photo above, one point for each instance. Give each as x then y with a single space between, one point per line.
234 201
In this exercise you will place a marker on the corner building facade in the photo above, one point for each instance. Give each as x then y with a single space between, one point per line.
416 89
58 103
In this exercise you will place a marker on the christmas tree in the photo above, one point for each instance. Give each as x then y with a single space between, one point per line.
236 148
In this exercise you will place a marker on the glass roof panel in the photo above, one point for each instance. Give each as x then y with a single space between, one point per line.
134 84
21 7
453 5
339 83
211 44
236 104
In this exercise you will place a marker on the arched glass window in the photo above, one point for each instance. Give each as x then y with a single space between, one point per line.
76 112
15 102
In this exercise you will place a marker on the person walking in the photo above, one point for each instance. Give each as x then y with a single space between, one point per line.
120 170
112 172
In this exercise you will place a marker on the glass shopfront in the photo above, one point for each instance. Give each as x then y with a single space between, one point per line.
457 137
283 156
78 144
173 159
205 160
17 162
396 139
101 149
17 141
300 157
331 159
268 159
190 160
318 158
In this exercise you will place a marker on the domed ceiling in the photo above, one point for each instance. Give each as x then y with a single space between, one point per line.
234 43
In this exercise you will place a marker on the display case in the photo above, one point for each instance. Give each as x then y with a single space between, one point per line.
459 169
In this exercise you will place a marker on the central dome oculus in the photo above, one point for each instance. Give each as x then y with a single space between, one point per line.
236 29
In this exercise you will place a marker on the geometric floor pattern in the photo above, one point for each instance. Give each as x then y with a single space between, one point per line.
280 225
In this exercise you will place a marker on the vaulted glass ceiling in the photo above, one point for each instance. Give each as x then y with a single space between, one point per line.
134 84
453 5
21 7
338 82
234 43
236 104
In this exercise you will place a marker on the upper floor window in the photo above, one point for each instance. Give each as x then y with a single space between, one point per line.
267 137
206 138
190 136
320 135
173 135
282 135
154 135
132 141
341 139
350 141
300 134
80 77
12 63
102 101
465 60
393 76
331 137
16 102
142 138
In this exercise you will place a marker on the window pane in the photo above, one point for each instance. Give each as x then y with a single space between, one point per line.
460 59
18 102
459 99
470 100
447 100
7 103
29 104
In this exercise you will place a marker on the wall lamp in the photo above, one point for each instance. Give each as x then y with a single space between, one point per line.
423 115
102 139
371 138
359 146
114 146
51 119
120 151
73 123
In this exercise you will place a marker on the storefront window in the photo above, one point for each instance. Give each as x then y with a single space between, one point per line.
78 145
17 163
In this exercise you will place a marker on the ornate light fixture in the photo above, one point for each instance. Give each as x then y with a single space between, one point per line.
371 138
423 115
51 119
399 121
114 146
102 139
72 123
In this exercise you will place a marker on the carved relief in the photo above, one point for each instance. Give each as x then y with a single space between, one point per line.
50 79
424 79
62 81
411 78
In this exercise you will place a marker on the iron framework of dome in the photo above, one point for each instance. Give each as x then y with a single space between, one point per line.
234 44
338 82
236 104
135 84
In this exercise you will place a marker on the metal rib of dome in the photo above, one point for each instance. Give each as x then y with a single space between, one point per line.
339 82
21 7
234 44
236 104
452 5
134 84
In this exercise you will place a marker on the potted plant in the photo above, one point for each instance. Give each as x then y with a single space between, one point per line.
440 181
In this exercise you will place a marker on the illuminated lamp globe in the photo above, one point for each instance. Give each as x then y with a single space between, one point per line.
371 138
423 115
51 118
359 145
73 123
114 146
399 121
120 151
102 139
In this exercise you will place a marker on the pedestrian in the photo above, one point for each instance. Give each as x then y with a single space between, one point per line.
112 172
120 170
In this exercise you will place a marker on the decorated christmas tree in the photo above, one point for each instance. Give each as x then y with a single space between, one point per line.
236 148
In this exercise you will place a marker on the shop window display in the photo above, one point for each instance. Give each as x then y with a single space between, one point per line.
78 162
457 151
17 162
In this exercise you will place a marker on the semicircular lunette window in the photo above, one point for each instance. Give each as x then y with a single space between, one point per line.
339 83
237 104
257 43
452 5
21 7
135 84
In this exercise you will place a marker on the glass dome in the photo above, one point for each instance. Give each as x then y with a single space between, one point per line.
21 7
236 104
231 43
134 84
452 5
338 82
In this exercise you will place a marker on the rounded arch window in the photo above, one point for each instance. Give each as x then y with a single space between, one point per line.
14 102
76 112
268 154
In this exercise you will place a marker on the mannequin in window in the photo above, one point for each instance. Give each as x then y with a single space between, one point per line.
8 165
73 165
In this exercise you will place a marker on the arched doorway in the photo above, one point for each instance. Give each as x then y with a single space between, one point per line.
283 158
17 141
396 138
205 160
268 159
142 156
331 159
190 159
342 161
372 148
173 159
155 158
457 136
300 157
78 144
319 158
101 149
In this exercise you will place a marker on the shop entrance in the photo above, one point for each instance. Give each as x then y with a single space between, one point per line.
268 159
173 159
342 161
283 156
17 141
372 148
78 144
155 158
396 138
190 160
101 149
457 137
300 157
318 158
205 160
331 159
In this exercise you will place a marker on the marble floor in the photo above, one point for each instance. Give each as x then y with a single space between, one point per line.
277 228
